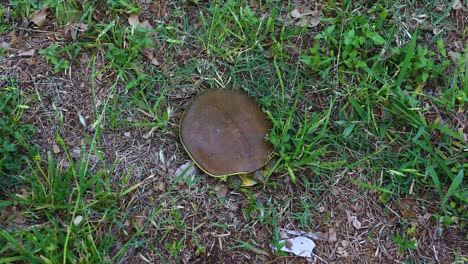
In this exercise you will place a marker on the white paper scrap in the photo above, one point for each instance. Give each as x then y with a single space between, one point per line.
300 246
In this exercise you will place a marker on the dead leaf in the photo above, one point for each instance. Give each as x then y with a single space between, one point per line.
160 186
356 222
342 252
283 234
15 39
453 56
19 219
139 221
73 31
322 236
221 190
30 61
24 193
28 53
306 18
146 24
164 69
295 13
149 54
133 20
55 148
332 235
39 17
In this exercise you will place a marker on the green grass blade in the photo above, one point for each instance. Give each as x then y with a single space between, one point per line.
453 187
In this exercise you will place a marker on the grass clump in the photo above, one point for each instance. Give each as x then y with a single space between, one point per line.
14 135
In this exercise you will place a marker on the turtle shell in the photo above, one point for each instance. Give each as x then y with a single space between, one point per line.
224 132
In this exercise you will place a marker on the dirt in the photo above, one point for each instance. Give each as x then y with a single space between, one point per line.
363 223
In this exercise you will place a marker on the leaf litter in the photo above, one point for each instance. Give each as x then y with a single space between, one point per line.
39 18
344 246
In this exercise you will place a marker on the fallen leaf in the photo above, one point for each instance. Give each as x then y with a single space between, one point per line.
19 219
306 18
39 17
139 221
453 56
356 222
73 31
342 252
24 193
77 220
332 235
149 54
28 53
295 13
30 61
164 69
55 148
15 39
146 24
322 236
221 190
283 234
155 62
133 20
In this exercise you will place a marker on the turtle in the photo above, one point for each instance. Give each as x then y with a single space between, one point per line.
225 133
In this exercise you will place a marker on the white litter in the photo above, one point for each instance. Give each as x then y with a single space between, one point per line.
301 245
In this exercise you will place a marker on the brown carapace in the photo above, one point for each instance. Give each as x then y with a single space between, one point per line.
224 132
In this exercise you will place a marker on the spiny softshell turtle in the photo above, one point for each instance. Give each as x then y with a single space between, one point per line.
224 132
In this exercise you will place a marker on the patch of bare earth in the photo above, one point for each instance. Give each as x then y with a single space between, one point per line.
353 224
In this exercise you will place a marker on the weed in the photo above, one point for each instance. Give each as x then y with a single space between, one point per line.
14 135
50 54
404 243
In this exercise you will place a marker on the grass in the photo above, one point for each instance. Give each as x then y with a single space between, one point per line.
358 93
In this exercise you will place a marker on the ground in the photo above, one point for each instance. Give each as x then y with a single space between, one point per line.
118 139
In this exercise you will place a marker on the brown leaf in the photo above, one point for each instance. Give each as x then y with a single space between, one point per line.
322 236
306 18
15 39
221 191
55 148
296 13
161 186
74 30
39 17
133 20
139 221
19 219
148 53
30 61
164 69
146 24
332 235
28 53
